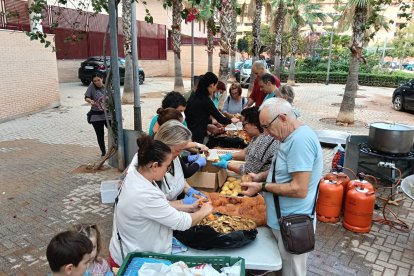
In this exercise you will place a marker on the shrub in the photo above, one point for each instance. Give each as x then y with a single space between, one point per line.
392 79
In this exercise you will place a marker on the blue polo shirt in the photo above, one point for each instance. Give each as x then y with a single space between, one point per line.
300 152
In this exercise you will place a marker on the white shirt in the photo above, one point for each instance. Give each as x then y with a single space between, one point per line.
172 185
144 218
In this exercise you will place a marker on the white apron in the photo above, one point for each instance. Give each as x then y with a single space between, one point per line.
173 184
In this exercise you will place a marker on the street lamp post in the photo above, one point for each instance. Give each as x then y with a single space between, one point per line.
330 52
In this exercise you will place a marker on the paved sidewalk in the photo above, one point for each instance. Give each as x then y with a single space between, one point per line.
41 193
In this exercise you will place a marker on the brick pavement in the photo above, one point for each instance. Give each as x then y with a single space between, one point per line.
41 194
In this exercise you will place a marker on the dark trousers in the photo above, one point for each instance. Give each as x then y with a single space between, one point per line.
100 135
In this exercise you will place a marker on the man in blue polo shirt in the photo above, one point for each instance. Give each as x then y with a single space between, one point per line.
268 85
297 167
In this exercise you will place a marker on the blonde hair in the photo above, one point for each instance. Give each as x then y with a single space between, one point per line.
90 231
286 92
173 133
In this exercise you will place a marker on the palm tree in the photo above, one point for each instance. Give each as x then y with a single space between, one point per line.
211 31
176 29
279 22
207 13
226 14
366 14
128 95
257 19
301 13
233 47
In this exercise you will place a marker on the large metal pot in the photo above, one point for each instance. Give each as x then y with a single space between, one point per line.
391 138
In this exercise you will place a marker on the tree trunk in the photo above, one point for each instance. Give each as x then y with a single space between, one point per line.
225 39
291 78
233 47
346 112
256 39
210 42
279 22
128 94
176 28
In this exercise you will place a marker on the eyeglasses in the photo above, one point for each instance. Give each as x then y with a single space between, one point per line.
274 119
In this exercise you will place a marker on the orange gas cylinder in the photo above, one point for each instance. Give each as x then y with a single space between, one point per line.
361 182
329 204
330 176
359 208
341 176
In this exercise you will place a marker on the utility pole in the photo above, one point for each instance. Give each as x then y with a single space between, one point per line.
137 96
330 52
113 18
192 55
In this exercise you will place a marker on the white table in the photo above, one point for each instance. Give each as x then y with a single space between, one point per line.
260 254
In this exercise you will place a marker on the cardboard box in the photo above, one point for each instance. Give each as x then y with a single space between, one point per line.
209 179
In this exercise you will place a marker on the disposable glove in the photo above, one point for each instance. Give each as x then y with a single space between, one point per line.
192 158
201 161
221 164
193 191
227 156
188 200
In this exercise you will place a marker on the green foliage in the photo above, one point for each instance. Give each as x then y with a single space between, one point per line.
242 45
383 80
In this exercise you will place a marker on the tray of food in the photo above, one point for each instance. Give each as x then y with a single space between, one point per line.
219 231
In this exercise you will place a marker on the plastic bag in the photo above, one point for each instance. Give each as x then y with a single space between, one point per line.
176 269
204 237
339 157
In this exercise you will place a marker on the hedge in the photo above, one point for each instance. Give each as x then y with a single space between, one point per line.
380 80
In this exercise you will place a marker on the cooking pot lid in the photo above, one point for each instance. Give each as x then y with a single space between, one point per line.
388 126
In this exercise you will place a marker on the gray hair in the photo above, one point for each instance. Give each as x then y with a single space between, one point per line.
286 92
173 133
258 65
276 106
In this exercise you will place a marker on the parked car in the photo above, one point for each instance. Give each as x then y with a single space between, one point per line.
96 64
246 70
403 96
237 68
408 66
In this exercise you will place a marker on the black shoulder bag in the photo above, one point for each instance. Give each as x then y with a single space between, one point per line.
297 231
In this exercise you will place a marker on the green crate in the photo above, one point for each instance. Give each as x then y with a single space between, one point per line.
216 261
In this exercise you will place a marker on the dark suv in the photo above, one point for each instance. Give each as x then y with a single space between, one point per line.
403 96
96 65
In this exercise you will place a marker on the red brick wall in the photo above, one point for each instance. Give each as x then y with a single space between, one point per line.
29 78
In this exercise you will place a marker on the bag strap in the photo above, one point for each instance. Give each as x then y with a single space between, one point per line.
276 197
228 100
116 225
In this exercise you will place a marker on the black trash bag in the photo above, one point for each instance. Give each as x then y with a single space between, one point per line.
226 142
204 237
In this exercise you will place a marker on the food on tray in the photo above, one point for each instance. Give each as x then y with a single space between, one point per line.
253 208
231 187
226 224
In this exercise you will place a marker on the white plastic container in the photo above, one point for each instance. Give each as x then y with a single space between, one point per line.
109 191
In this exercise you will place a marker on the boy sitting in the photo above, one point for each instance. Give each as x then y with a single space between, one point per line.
69 253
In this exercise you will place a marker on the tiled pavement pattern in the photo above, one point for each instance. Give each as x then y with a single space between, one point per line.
41 194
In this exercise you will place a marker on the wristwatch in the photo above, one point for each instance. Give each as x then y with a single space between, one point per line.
264 187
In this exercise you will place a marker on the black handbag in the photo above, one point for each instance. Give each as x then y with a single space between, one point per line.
88 116
297 230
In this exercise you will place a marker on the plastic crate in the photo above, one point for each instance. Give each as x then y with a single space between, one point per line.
216 261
